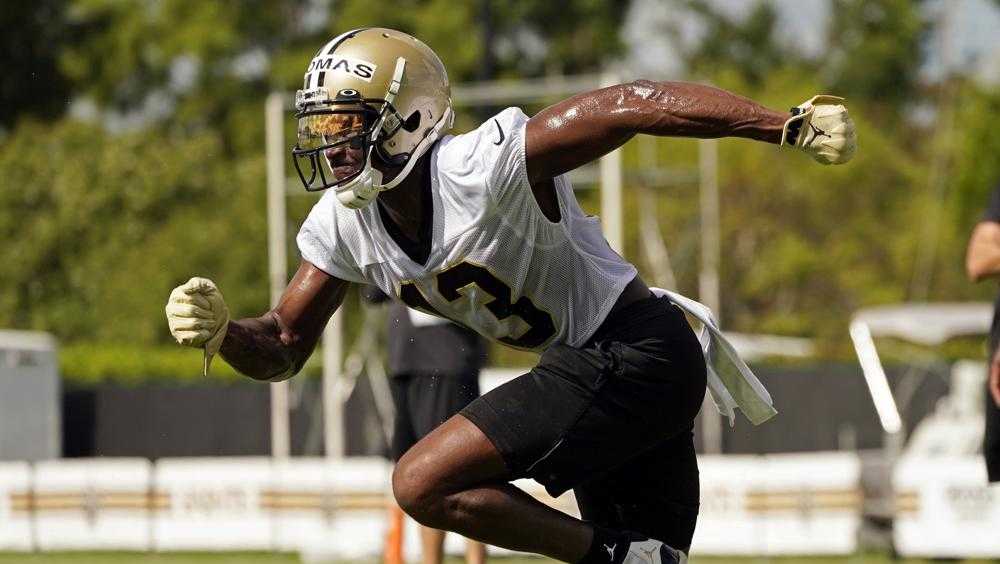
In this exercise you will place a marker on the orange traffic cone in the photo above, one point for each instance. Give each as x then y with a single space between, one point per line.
394 536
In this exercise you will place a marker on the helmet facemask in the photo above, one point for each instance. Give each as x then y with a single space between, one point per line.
358 127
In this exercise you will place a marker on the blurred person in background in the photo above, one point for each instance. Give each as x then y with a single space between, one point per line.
484 228
433 367
982 261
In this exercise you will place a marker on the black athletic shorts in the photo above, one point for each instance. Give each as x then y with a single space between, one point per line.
612 420
991 437
424 401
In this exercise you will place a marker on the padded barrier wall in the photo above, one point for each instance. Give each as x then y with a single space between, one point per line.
777 504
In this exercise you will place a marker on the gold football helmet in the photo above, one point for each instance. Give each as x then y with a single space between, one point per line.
372 92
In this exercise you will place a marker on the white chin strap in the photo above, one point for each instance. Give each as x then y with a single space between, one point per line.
363 189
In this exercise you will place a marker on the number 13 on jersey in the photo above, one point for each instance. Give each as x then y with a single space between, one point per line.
450 283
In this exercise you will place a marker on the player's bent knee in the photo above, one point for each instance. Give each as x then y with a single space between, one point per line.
404 487
415 493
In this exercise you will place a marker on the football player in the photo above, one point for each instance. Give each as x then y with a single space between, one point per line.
483 229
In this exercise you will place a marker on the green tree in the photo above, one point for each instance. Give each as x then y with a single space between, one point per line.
876 53
99 228
189 64
749 46
34 33
527 38
977 166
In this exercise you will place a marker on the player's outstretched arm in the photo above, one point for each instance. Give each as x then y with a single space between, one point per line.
582 128
275 346
272 347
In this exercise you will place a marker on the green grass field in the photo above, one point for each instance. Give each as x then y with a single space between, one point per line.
273 558
147 558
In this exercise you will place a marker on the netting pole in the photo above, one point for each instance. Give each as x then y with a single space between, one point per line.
334 397
708 277
611 190
277 258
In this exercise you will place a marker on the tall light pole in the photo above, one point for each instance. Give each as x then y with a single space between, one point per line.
708 277
277 255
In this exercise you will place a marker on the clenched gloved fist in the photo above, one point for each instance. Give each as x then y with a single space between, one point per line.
822 128
198 316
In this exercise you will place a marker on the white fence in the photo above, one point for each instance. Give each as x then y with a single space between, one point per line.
779 504
16 532
91 504
944 509
212 504
750 505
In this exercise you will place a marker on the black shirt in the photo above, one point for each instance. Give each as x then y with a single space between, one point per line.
444 349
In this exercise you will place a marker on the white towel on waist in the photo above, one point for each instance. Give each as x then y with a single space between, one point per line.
730 381
421 319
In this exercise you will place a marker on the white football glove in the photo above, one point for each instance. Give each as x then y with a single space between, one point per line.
821 127
198 317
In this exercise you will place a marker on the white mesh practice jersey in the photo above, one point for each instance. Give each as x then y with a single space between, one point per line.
497 264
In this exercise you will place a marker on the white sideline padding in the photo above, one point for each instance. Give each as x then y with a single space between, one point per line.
945 509
750 505
211 504
335 507
92 504
357 516
15 506
781 504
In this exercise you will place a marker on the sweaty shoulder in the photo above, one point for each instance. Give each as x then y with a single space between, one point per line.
490 157
326 239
